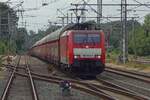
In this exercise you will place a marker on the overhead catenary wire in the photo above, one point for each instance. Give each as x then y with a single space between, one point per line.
146 5
66 7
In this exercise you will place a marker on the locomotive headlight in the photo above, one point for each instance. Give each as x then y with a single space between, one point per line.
98 56
75 57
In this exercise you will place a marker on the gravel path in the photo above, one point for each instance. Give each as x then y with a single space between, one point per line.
38 66
42 67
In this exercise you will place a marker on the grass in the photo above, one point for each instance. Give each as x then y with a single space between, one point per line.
112 58
147 57
136 65
1 61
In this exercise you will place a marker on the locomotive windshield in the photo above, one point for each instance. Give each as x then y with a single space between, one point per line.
87 38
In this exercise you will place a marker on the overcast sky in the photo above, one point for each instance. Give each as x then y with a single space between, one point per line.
38 19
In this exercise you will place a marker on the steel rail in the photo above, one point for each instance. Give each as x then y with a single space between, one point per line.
88 88
117 88
10 80
123 92
75 85
93 87
114 87
129 74
109 69
142 61
134 73
34 92
126 91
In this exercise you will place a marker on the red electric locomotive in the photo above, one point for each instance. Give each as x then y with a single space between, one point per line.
79 51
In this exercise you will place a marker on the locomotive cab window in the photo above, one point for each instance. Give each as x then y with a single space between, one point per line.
87 38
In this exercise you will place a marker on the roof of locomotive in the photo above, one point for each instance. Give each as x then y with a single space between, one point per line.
55 35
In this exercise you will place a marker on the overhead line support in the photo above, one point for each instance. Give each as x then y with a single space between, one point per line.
112 4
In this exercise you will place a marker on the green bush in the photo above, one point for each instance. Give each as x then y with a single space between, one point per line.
141 43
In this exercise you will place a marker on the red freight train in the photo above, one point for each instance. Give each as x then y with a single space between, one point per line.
81 52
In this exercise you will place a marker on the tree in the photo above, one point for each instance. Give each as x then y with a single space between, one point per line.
31 33
115 32
40 34
8 19
6 12
21 39
3 47
147 25
142 39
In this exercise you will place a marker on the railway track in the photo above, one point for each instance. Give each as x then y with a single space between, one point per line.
134 75
13 77
133 81
105 87
142 61
76 84
101 88
32 76
34 92
9 82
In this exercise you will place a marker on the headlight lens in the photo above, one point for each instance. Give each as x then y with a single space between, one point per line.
98 56
75 56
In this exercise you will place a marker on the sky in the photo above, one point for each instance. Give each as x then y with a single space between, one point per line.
39 16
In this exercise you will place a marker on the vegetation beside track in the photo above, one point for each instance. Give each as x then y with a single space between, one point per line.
132 64
139 42
1 60
139 47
